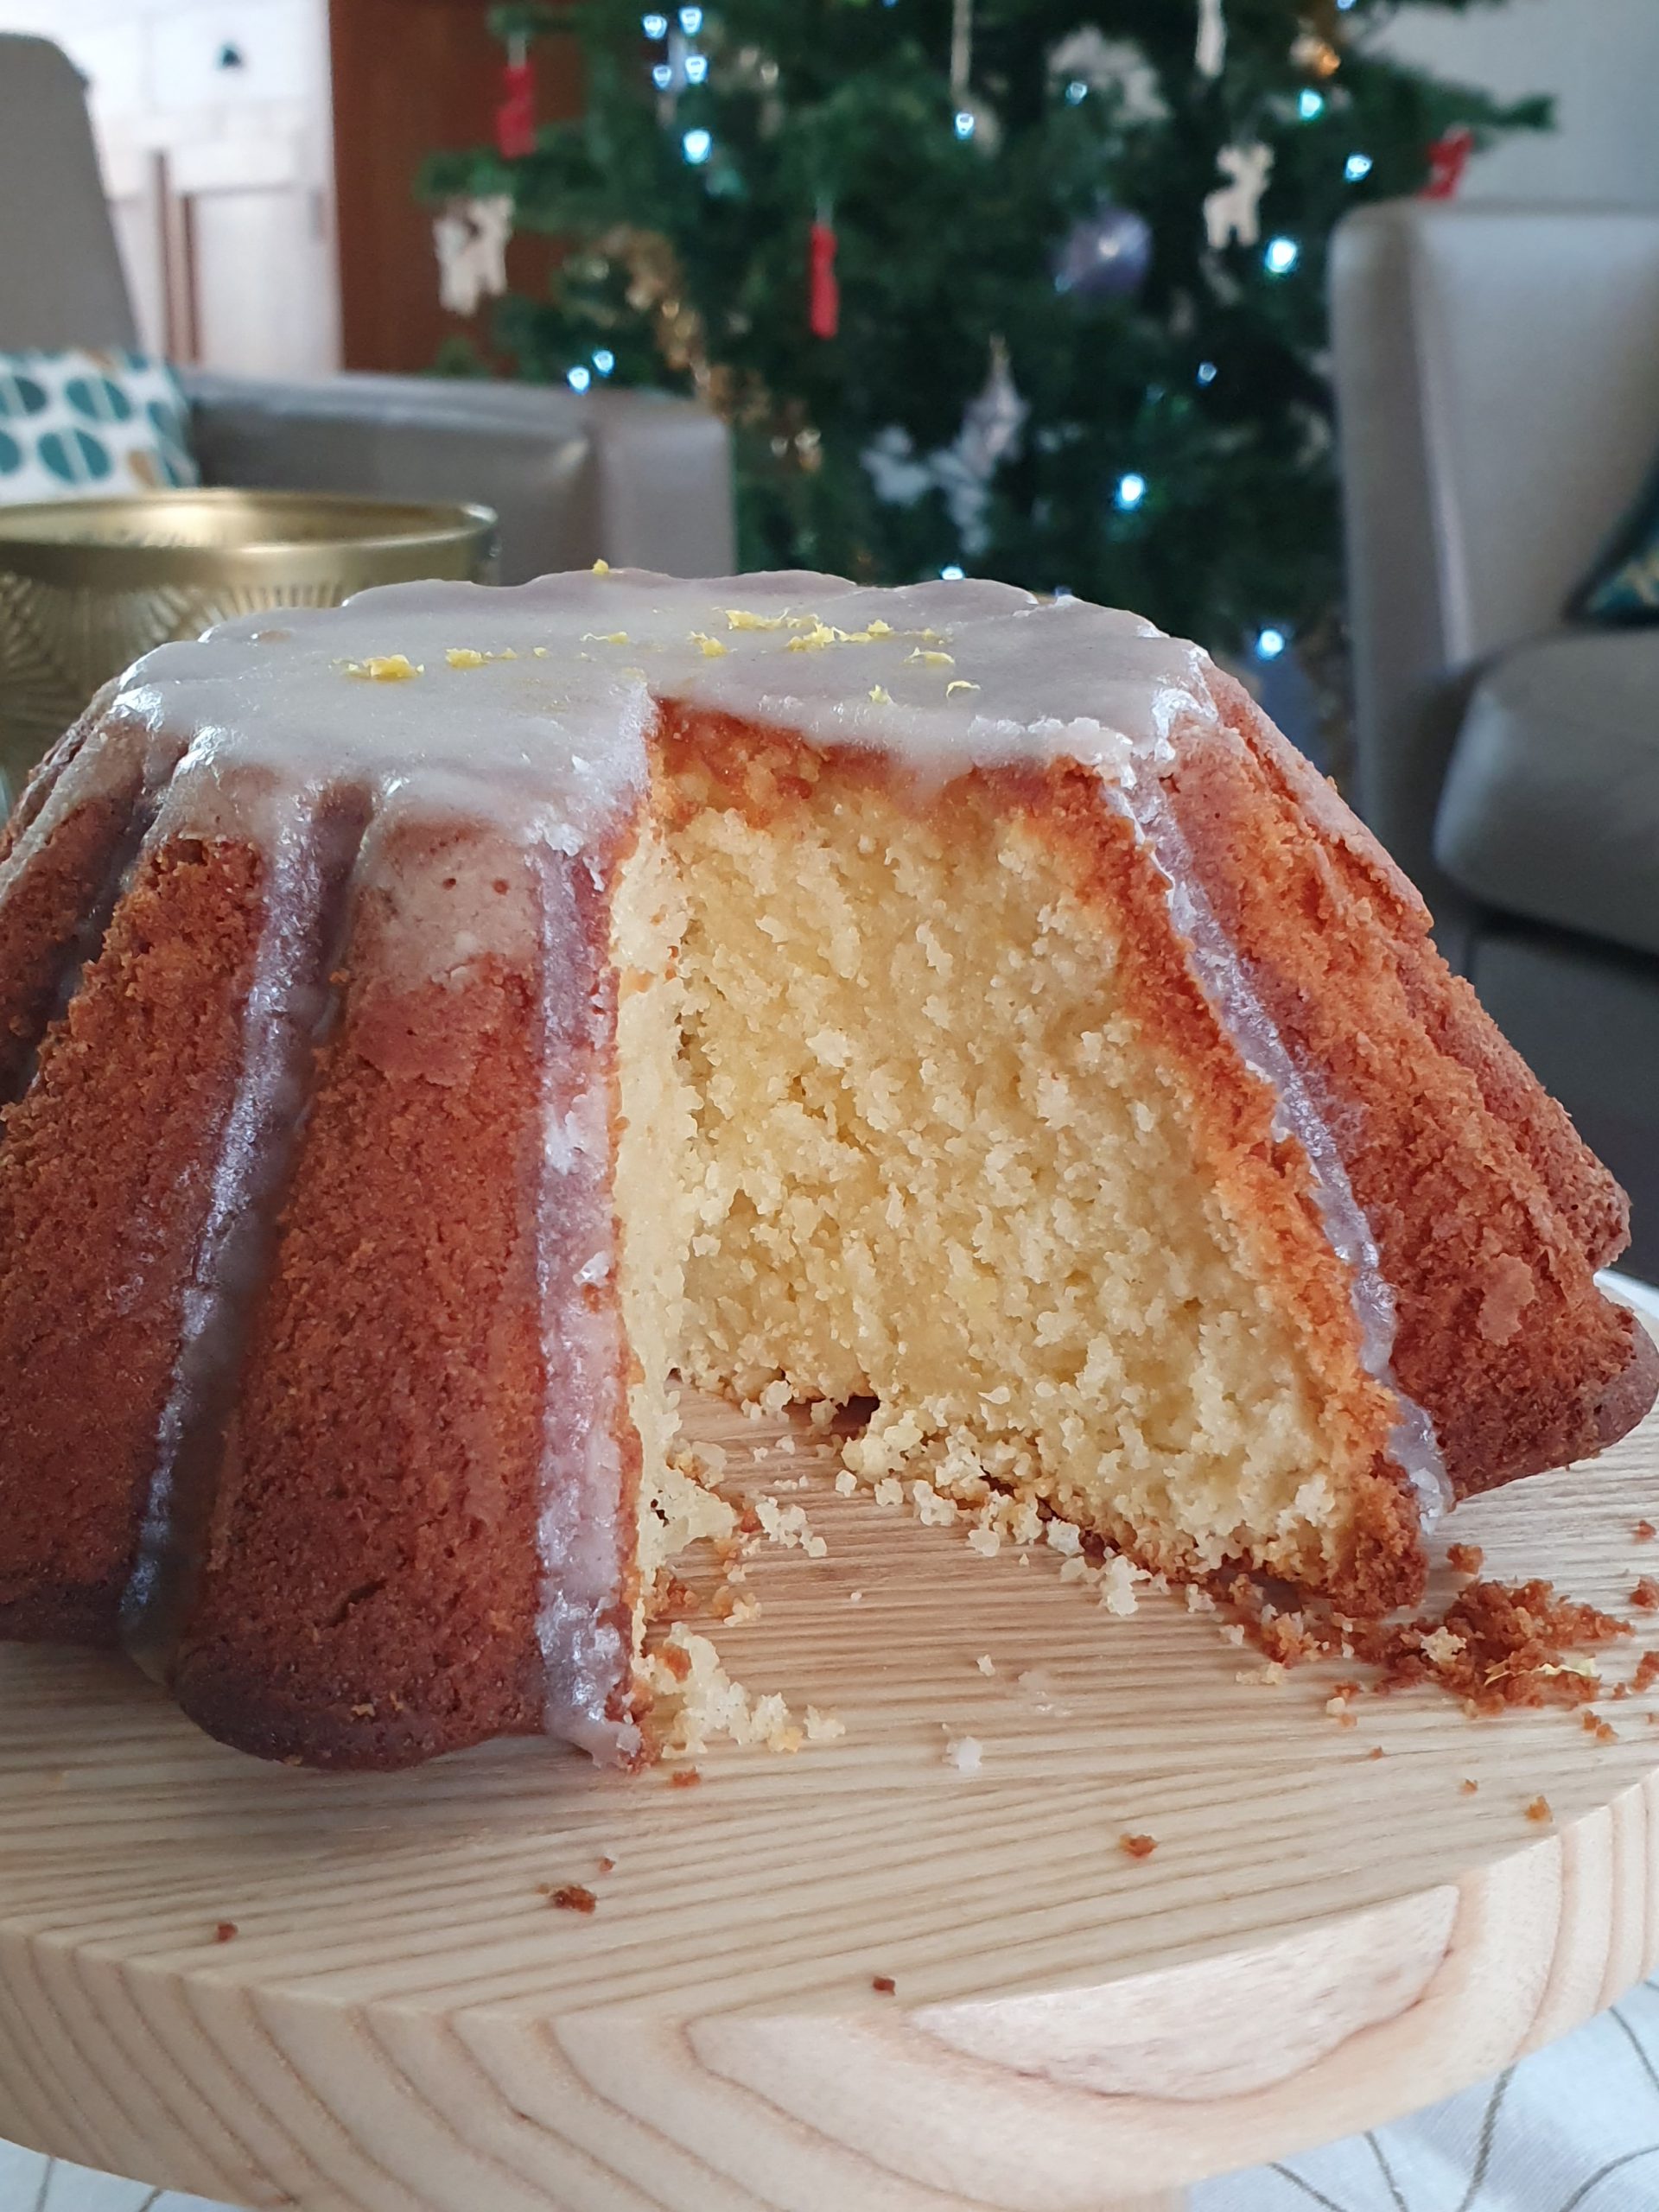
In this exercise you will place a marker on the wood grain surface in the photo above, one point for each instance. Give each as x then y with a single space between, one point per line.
402 2022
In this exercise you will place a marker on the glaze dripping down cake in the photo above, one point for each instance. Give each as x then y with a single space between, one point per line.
432 1025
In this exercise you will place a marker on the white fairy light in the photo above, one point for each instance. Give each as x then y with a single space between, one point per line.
1270 643
1131 490
579 377
1356 166
1281 255
697 146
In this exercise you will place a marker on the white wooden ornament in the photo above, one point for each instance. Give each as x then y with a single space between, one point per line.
1232 211
470 238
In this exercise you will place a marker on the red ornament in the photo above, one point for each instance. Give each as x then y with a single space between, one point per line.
515 119
1448 158
824 294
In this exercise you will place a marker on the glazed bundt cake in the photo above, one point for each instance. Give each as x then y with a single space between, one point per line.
431 1025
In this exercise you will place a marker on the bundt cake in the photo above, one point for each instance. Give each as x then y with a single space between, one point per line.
430 1025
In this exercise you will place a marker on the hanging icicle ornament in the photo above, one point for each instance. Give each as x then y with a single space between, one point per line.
471 236
823 293
971 118
515 117
1233 210
1210 49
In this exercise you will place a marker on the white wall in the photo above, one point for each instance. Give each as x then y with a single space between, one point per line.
1599 58
220 179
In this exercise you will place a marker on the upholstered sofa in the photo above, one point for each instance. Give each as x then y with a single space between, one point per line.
1498 384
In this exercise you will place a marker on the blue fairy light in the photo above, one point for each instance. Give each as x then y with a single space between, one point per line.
579 377
1270 643
952 573
1076 91
1131 490
662 76
964 122
696 68
1207 372
691 21
604 361
1280 257
654 26
1356 166
1309 104
697 146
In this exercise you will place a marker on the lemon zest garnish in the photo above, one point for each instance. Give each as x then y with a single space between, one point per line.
385 668
601 567
931 659
878 698
804 622
959 684
639 672
811 641
878 629
465 656
505 653
540 651
711 648
740 617
604 637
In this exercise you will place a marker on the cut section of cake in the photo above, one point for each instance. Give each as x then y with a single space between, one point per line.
435 1025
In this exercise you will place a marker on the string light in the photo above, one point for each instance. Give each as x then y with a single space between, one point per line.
1356 166
1206 372
604 361
964 122
691 21
1076 91
662 76
1309 104
579 379
1131 490
696 68
697 146
952 573
1280 257
1270 643
654 26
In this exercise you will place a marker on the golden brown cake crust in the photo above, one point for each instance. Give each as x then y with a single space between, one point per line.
105 1175
1491 1215
371 1584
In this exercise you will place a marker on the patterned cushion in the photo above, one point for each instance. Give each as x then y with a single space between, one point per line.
1624 587
75 424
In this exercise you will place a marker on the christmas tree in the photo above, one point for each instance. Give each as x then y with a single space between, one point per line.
1022 287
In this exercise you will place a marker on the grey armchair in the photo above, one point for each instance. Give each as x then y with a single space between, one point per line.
636 478
1498 384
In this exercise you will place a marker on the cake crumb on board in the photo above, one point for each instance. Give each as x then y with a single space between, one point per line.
1538 1810
226 1931
1137 1846
572 1897
884 1985
965 1753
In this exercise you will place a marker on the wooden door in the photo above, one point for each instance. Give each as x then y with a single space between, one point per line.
411 76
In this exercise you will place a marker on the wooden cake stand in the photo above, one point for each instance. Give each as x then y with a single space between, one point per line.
355 1995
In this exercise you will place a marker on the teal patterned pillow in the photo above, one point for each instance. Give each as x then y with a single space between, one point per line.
75 424
1624 587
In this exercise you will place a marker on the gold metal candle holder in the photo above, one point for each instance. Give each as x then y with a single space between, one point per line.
88 585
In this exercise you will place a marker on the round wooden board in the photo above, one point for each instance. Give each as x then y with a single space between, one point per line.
403 2023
